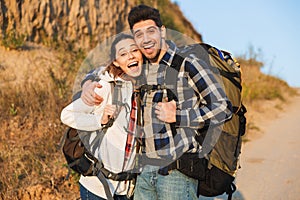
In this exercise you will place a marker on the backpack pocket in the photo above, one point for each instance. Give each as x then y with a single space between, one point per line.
191 165
76 155
216 182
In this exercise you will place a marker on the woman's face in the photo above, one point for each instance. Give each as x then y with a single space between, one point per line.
128 57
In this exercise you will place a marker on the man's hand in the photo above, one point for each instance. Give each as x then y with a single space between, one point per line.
166 111
88 96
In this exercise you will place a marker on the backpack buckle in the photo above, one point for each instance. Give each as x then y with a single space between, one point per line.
178 164
149 88
146 88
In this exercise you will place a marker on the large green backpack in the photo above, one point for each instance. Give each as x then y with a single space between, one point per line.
225 153
222 163
216 171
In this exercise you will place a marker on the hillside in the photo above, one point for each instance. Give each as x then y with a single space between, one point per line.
36 82
80 23
42 45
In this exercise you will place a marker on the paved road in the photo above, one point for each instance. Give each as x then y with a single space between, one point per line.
271 164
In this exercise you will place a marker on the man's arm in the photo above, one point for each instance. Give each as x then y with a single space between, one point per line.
88 95
88 84
216 108
83 117
212 107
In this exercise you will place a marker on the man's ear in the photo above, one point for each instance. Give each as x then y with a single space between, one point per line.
163 31
116 64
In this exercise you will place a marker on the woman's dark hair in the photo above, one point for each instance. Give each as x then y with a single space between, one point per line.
142 13
118 38
111 68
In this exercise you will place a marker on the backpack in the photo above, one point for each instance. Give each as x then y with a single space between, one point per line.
81 160
216 171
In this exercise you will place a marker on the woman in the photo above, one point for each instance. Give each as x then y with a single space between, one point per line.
126 65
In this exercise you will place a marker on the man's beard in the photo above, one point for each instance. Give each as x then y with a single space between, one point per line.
155 59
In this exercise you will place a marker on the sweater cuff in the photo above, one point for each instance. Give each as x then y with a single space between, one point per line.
181 118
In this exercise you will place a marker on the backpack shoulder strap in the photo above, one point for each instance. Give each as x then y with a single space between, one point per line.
116 92
115 87
171 76
177 62
116 100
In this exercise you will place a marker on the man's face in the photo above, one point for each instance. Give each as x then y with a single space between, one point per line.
148 37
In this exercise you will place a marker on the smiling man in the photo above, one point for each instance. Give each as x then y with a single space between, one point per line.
168 137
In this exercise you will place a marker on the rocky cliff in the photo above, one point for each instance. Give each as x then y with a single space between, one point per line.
82 21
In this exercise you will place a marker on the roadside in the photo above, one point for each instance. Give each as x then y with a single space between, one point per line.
269 162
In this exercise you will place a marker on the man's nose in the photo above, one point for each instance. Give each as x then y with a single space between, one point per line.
146 38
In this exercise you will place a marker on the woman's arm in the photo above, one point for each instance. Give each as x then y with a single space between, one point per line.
80 116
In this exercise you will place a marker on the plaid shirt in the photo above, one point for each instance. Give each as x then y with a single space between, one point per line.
201 102
132 129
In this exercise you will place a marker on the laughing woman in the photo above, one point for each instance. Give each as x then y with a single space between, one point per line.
126 65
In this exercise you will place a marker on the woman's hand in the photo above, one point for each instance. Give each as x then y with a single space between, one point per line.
109 112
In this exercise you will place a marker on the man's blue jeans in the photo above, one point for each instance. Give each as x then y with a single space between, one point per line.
152 186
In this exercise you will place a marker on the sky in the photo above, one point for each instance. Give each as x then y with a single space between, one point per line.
270 28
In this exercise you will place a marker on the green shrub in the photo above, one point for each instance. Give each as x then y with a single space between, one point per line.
13 40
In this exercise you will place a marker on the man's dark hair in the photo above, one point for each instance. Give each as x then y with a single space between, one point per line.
142 13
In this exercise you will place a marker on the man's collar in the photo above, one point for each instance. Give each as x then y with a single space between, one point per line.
169 55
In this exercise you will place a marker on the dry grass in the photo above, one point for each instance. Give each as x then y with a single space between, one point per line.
258 86
263 95
36 85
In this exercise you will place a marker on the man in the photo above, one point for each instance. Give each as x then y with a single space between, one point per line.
200 101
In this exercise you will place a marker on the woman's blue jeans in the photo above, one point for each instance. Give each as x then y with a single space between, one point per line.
85 194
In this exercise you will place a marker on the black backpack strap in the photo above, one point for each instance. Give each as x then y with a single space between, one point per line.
116 100
103 180
171 82
122 176
116 91
231 189
172 75
99 168
242 125
171 87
